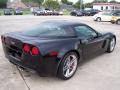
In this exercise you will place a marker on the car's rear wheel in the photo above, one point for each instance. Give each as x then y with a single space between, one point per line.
118 22
111 45
68 66
98 19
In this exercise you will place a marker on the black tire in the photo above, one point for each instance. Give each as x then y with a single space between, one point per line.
98 19
118 22
109 50
62 64
113 22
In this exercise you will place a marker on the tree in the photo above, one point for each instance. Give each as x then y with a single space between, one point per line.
67 2
70 3
26 0
3 3
64 1
88 5
40 2
100 1
113 1
52 4
77 5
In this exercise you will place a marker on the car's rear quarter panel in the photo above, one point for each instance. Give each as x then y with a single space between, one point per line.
43 63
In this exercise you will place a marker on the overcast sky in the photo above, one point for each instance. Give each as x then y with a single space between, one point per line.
87 0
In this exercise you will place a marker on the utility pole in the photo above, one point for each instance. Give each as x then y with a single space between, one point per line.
80 4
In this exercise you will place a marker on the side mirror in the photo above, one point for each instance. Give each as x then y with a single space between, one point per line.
99 34
84 41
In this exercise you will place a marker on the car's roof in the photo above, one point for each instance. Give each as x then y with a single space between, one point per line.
62 22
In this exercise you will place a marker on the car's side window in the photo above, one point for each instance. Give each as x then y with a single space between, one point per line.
116 14
106 13
85 31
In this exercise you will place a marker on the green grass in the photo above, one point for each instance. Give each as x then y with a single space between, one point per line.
1 12
66 12
26 11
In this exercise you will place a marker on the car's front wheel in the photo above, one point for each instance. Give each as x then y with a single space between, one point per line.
68 66
118 22
111 45
98 19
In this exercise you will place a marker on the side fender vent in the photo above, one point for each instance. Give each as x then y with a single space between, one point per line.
104 44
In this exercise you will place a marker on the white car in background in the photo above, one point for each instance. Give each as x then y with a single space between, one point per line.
103 16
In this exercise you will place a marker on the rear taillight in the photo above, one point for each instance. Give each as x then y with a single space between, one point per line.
29 48
35 51
26 48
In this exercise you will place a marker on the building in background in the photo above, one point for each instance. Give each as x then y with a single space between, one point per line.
15 4
106 6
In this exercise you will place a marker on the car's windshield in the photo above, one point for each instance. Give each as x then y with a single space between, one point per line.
46 30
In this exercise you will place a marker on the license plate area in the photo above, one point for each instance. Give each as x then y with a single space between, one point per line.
13 51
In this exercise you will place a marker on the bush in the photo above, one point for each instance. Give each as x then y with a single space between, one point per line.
1 12
3 3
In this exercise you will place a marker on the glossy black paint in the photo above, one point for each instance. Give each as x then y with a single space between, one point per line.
44 63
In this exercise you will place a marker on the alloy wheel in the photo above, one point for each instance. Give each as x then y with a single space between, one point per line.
112 44
70 65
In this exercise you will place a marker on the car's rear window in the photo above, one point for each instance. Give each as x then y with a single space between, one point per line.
47 30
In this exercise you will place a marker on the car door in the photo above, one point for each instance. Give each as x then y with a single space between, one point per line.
107 16
91 40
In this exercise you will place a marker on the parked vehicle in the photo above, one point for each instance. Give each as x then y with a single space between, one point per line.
39 12
103 16
55 12
34 10
18 12
55 47
78 13
116 19
8 11
60 12
48 12
91 12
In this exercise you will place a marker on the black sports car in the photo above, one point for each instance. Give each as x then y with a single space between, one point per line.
55 47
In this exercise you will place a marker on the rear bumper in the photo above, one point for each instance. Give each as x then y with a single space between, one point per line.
44 65
7 13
